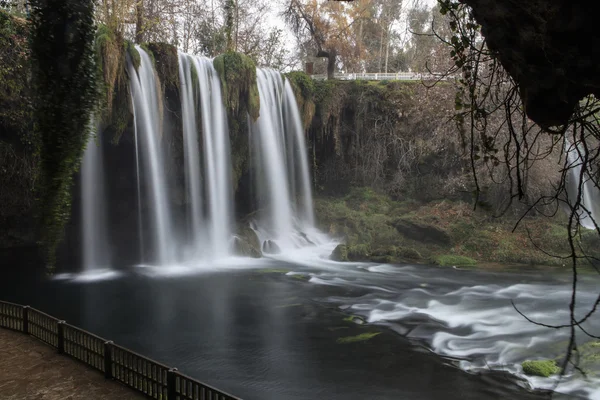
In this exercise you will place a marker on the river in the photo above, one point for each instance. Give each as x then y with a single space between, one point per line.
280 328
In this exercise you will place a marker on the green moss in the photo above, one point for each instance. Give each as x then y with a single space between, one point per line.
409 252
166 62
355 319
65 78
543 368
340 253
359 252
304 90
454 260
15 94
136 59
237 73
358 338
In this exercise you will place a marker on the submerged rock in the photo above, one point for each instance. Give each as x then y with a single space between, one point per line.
271 247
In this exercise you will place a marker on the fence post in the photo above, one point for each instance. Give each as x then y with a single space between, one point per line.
61 337
26 319
171 383
108 359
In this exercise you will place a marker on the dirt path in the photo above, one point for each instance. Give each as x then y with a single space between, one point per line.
30 369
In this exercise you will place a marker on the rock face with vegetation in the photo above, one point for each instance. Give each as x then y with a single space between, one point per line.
548 47
445 232
391 177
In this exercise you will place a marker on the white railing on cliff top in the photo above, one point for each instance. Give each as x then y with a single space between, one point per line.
382 76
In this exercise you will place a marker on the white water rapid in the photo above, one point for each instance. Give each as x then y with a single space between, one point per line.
589 195
147 115
95 247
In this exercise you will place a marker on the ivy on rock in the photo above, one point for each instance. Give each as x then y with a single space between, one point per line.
64 76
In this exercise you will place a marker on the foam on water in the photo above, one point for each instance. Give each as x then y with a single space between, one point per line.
473 321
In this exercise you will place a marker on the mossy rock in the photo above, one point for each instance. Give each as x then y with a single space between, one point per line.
247 243
244 249
422 231
409 252
304 90
358 338
383 259
237 73
543 368
450 260
134 55
359 252
166 62
340 253
385 251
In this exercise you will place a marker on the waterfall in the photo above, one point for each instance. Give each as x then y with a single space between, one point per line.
95 247
281 167
147 117
211 233
589 195
297 155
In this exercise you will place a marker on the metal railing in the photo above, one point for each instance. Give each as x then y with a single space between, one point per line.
140 373
383 76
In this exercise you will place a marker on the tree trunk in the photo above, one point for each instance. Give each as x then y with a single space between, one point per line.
331 59
139 21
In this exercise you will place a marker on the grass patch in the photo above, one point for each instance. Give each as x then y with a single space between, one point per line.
454 260
358 338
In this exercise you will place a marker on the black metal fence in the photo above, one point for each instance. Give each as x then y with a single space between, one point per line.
140 373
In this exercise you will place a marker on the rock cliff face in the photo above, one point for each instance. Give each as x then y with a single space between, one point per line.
550 47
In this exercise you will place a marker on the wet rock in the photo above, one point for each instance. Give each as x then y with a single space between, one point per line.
244 249
271 247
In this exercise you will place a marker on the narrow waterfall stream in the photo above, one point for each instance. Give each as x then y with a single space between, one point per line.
95 246
281 166
581 187
148 121
210 166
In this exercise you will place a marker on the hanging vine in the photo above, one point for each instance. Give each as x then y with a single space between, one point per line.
64 76
487 91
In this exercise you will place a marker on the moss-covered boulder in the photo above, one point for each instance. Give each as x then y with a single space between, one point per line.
166 62
359 252
340 253
543 368
237 73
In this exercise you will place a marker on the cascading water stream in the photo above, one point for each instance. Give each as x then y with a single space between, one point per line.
95 247
146 112
297 156
268 152
589 195
192 152
282 173
217 229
